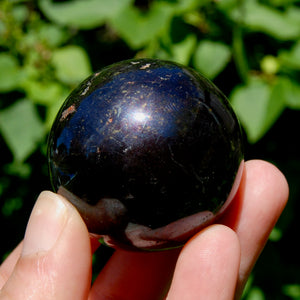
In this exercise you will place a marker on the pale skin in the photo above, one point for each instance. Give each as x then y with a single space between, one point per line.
53 261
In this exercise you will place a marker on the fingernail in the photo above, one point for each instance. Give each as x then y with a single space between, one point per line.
45 225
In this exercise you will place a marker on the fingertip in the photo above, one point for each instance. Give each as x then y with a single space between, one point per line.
207 266
267 176
263 188
212 234
216 237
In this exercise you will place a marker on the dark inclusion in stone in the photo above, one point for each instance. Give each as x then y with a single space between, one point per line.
146 143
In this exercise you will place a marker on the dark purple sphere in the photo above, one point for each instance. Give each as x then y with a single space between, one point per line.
149 151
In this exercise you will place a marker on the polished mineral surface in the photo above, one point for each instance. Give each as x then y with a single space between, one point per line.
148 151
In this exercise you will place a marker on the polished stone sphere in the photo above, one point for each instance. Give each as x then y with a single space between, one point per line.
149 151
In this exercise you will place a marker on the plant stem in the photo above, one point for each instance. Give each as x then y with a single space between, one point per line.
239 53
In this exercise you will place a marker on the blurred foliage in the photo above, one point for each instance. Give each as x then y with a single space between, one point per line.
249 48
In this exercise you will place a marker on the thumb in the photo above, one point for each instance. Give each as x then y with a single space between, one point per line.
55 261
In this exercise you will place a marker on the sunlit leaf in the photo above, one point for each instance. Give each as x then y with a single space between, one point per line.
293 13
290 92
52 34
71 64
267 19
21 128
255 294
282 2
10 72
180 52
138 28
52 109
183 51
43 92
20 13
292 290
188 5
291 58
210 57
258 105
82 13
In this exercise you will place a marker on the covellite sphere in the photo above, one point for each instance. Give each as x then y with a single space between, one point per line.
149 152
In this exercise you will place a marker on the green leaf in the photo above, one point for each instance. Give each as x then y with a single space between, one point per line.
20 13
282 2
276 104
11 205
259 17
182 52
258 105
211 58
21 128
189 5
291 59
47 93
43 93
138 28
10 72
293 13
293 95
227 4
275 235
53 109
71 64
85 14
21 169
255 294
290 92
51 34
292 290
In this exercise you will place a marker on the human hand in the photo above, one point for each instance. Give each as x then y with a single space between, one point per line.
55 259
